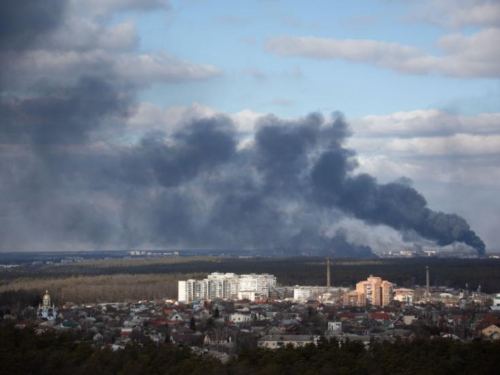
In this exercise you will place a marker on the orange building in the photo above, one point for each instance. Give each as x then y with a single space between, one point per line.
373 291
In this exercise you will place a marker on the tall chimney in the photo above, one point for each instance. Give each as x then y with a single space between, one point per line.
328 284
428 289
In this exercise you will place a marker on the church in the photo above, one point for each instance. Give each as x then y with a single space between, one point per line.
46 311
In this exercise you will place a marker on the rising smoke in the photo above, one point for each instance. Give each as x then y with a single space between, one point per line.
73 177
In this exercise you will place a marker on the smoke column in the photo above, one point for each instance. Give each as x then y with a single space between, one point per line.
75 177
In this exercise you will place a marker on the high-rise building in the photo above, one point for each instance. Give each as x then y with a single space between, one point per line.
373 291
226 286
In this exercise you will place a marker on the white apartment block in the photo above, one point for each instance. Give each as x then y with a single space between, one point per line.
321 293
226 286
281 341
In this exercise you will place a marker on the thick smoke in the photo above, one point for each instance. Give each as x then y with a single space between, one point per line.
23 23
74 176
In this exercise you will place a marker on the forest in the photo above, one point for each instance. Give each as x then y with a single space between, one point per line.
25 352
115 280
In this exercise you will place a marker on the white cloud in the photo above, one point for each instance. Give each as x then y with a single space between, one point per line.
460 144
389 168
148 116
459 13
429 145
426 133
246 119
104 8
349 49
127 69
476 55
424 123
162 67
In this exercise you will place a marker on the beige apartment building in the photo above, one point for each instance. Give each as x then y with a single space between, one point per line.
373 291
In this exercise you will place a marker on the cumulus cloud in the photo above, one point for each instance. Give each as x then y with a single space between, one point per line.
460 144
426 123
71 39
463 56
148 117
459 13
105 8
430 145
127 69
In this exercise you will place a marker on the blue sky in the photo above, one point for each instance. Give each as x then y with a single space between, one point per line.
232 35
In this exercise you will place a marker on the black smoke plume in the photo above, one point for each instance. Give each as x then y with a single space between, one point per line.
74 177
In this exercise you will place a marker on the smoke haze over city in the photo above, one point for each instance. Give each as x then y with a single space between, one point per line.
111 138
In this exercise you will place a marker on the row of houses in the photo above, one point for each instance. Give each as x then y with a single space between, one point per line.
221 326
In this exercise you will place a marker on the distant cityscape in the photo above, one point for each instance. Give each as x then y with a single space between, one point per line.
225 310
10 260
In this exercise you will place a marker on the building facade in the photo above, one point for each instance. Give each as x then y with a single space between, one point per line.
373 291
47 310
228 286
281 341
321 293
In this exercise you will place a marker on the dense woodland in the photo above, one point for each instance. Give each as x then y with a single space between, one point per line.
150 278
24 352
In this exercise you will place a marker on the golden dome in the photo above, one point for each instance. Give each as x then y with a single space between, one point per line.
46 296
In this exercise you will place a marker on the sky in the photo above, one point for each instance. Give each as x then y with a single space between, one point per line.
249 124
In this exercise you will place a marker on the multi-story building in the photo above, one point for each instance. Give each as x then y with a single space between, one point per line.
404 295
226 286
253 286
321 293
373 291
281 341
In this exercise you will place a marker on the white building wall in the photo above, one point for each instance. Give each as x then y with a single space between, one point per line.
301 294
259 284
226 286
181 294
240 318
335 326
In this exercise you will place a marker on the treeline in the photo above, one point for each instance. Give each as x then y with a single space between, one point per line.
151 278
299 270
24 352
104 288
14 301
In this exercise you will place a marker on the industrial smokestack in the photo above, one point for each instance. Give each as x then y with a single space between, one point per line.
428 289
328 283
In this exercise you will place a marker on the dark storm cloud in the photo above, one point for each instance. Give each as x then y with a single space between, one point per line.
60 115
24 22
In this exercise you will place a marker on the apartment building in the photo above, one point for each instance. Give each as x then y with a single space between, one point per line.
228 286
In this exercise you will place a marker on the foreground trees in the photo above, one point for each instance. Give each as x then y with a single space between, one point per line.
24 352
